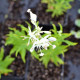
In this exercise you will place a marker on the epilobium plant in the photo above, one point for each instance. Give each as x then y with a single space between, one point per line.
4 63
57 7
43 45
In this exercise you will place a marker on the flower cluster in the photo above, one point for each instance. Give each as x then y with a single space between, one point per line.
36 38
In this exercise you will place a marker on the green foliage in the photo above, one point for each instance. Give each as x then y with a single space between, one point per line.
4 63
43 45
53 54
57 7
22 41
15 38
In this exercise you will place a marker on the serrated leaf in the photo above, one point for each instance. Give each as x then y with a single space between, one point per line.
34 54
57 7
70 43
45 59
4 63
57 61
23 54
7 61
23 28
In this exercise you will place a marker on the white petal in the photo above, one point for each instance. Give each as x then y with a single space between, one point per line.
46 36
41 54
45 45
52 39
48 32
54 46
29 10
33 16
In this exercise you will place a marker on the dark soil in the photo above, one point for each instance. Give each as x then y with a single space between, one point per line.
37 71
73 60
18 67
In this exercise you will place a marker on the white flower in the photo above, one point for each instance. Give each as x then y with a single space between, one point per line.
47 32
35 36
32 34
33 17
45 45
41 54
43 42
39 30
52 39
54 46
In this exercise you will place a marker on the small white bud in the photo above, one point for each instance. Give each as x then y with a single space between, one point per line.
29 10
33 16
52 39
41 54
54 46
47 32
31 50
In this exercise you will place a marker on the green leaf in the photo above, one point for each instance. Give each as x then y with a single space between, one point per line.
70 43
52 55
34 54
1 54
57 60
57 7
45 59
23 54
28 24
4 63
7 61
23 28
54 29
20 45
65 35
77 22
